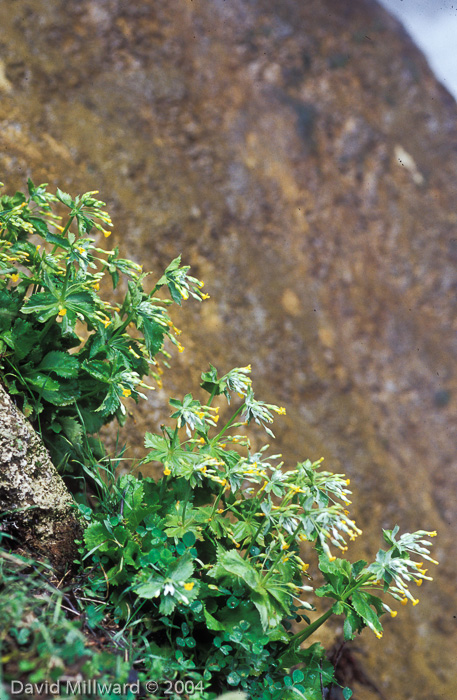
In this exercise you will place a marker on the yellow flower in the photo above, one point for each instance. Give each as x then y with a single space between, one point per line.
415 602
285 546
15 278
205 296
348 481
62 311
281 411
166 471
126 392
81 249
220 510
189 586
378 634
96 286
106 233
393 613
106 323
38 247
180 348
404 601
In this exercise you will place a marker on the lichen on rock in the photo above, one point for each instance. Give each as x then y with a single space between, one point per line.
37 509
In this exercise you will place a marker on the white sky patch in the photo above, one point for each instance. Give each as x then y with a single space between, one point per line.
432 24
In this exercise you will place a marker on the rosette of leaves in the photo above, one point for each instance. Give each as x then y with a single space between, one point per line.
70 357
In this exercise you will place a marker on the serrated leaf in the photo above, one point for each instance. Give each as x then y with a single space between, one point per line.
150 589
39 225
63 364
64 198
43 304
182 568
153 335
58 240
362 608
22 338
110 403
232 563
72 429
212 623
42 381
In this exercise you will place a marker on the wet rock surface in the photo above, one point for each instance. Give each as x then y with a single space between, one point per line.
302 158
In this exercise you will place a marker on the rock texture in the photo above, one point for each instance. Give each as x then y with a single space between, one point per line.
37 510
303 158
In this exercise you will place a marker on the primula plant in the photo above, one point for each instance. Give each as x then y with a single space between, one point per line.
70 357
203 573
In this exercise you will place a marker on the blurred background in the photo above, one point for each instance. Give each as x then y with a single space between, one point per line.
302 158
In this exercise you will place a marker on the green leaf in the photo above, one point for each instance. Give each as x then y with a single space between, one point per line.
182 568
111 402
150 589
269 615
9 307
63 364
58 240
153 334
358 567
43 304
298 676
64 198
362 608
42 381
72 429
39 225
347 693
212 623
189 539
232 563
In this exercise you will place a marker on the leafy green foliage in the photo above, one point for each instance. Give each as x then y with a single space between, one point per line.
71 358
212 553
202 575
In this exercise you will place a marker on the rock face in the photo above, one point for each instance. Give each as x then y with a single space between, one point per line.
302 158
36 507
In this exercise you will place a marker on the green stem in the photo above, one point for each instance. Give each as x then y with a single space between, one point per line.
301 636
231 421
216 502
67 225
253 539
46 328
281 554
213 394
